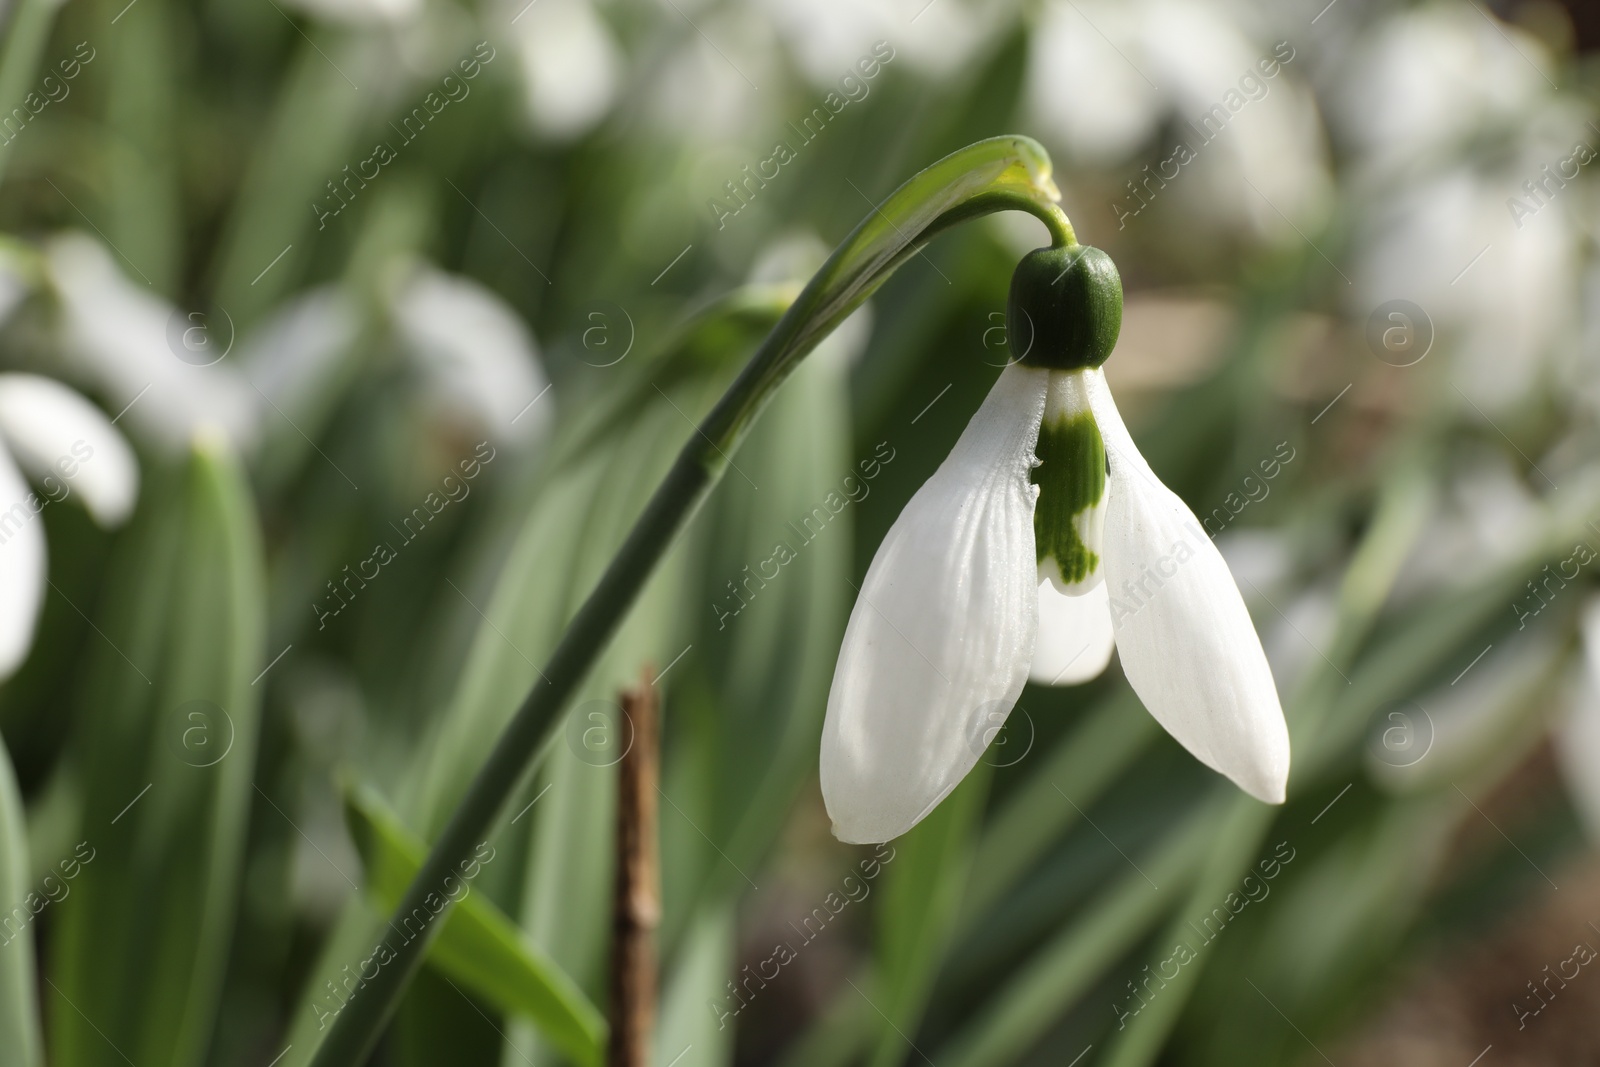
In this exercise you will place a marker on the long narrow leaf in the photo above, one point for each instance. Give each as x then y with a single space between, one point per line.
478 945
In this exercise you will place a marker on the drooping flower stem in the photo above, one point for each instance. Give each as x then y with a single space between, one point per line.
1003 173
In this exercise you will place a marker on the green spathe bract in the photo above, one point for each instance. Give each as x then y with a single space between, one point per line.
1071 477
1065 309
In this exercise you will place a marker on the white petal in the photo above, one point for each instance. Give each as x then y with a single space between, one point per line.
1075 636
477 352
56 434
570 63
124 336
22 565
938 645
360 12
1082 86
1186 640
296 357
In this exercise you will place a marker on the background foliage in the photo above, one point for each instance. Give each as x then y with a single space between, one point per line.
402 220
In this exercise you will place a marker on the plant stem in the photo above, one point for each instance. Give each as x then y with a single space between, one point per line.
638 882
1002 173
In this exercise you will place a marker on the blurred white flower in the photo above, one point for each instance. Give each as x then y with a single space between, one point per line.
1485 516
1430 77
1293 641
1577 737
1500 297
479 359
296 356
829 37
1469 725
706 90
1083 86
571 65
1104 78
1258 557
359 12
73 451
1459 134
126 340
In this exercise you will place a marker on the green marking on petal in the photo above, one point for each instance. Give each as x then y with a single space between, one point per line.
1071 477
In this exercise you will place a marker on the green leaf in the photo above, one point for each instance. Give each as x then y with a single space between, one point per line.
1231 851
768 612
477 946
603 465
926 877
168 726
1023 1009
19 1007
29 28
688 1032
1088 759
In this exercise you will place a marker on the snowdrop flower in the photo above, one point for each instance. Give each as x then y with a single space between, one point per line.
360 12
1109 80
296 358
1043 533
73 451
1453 731
701 90
478 358
1577 736
829 37
127 340
1463 154
1432 77
1501 296
571 65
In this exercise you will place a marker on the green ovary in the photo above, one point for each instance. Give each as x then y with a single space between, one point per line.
1071 477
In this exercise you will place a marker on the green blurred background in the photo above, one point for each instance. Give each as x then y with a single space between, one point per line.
404 306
